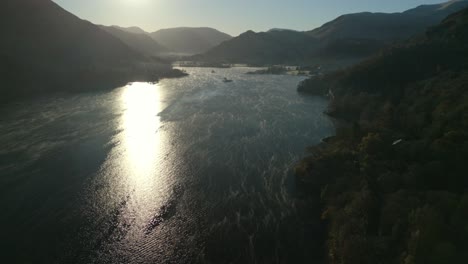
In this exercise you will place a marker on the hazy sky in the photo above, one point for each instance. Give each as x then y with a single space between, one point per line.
232 17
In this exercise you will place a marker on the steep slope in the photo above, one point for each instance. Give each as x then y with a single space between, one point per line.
363 34
189 41
40 32
277 46
137 41
45 48
345 40
387 27
393 183
441 48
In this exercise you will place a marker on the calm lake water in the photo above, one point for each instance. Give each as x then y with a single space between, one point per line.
189 170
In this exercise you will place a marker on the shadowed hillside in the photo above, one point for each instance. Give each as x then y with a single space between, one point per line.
343 41
387 27
277 46
393 182
140 42
189 41
45 48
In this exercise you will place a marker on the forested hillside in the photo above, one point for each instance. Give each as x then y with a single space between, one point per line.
393 181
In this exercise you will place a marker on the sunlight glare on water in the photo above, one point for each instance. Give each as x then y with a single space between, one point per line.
189 170
137 183
141 124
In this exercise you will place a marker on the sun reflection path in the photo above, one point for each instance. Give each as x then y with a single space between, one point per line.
141 139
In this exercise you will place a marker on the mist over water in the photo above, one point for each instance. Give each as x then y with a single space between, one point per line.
189 170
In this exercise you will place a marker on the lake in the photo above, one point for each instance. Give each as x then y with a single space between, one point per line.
190 170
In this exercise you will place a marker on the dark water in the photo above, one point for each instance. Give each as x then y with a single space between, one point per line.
190 170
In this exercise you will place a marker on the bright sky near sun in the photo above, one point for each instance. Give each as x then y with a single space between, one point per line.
232 17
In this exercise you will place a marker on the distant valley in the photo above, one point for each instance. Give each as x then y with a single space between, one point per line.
184 41
138 40
61 52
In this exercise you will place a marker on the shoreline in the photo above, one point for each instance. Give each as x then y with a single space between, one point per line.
104 84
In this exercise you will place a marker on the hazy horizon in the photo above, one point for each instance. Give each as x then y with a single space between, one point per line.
262 15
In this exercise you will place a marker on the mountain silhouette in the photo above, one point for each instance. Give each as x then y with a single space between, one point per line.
189 41
343 41
45 48
141 42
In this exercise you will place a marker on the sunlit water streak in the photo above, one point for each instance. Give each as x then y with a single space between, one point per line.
188 170
141 125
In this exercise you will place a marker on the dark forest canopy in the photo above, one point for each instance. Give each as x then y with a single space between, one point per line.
393 182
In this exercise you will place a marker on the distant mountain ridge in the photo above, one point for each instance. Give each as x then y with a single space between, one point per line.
133 29
387 26
176 41
281 29
186 40
141 42
343 41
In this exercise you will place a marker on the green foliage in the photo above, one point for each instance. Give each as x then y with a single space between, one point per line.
396 181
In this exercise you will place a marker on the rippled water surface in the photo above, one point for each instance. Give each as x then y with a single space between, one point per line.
189 170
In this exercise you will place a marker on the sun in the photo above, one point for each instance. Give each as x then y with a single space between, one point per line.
135 2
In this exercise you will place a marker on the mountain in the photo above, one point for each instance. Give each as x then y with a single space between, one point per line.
263 48
392 182
45 48
343 41
138 41
135 30
387 27
280 29
189 41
